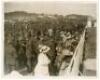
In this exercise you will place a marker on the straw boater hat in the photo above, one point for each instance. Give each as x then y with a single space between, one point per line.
43 48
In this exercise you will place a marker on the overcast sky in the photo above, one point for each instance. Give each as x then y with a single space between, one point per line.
63 8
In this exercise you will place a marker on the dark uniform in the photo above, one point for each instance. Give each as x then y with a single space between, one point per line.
51 54
31 54
22 56
10 57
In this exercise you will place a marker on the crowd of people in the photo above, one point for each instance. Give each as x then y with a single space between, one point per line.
31 47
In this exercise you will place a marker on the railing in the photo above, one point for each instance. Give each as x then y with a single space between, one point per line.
73 68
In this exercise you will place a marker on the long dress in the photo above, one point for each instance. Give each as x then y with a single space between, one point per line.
41 68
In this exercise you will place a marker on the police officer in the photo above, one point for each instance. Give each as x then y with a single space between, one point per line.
10 56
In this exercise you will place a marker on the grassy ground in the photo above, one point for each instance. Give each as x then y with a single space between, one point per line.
90 50
90 46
